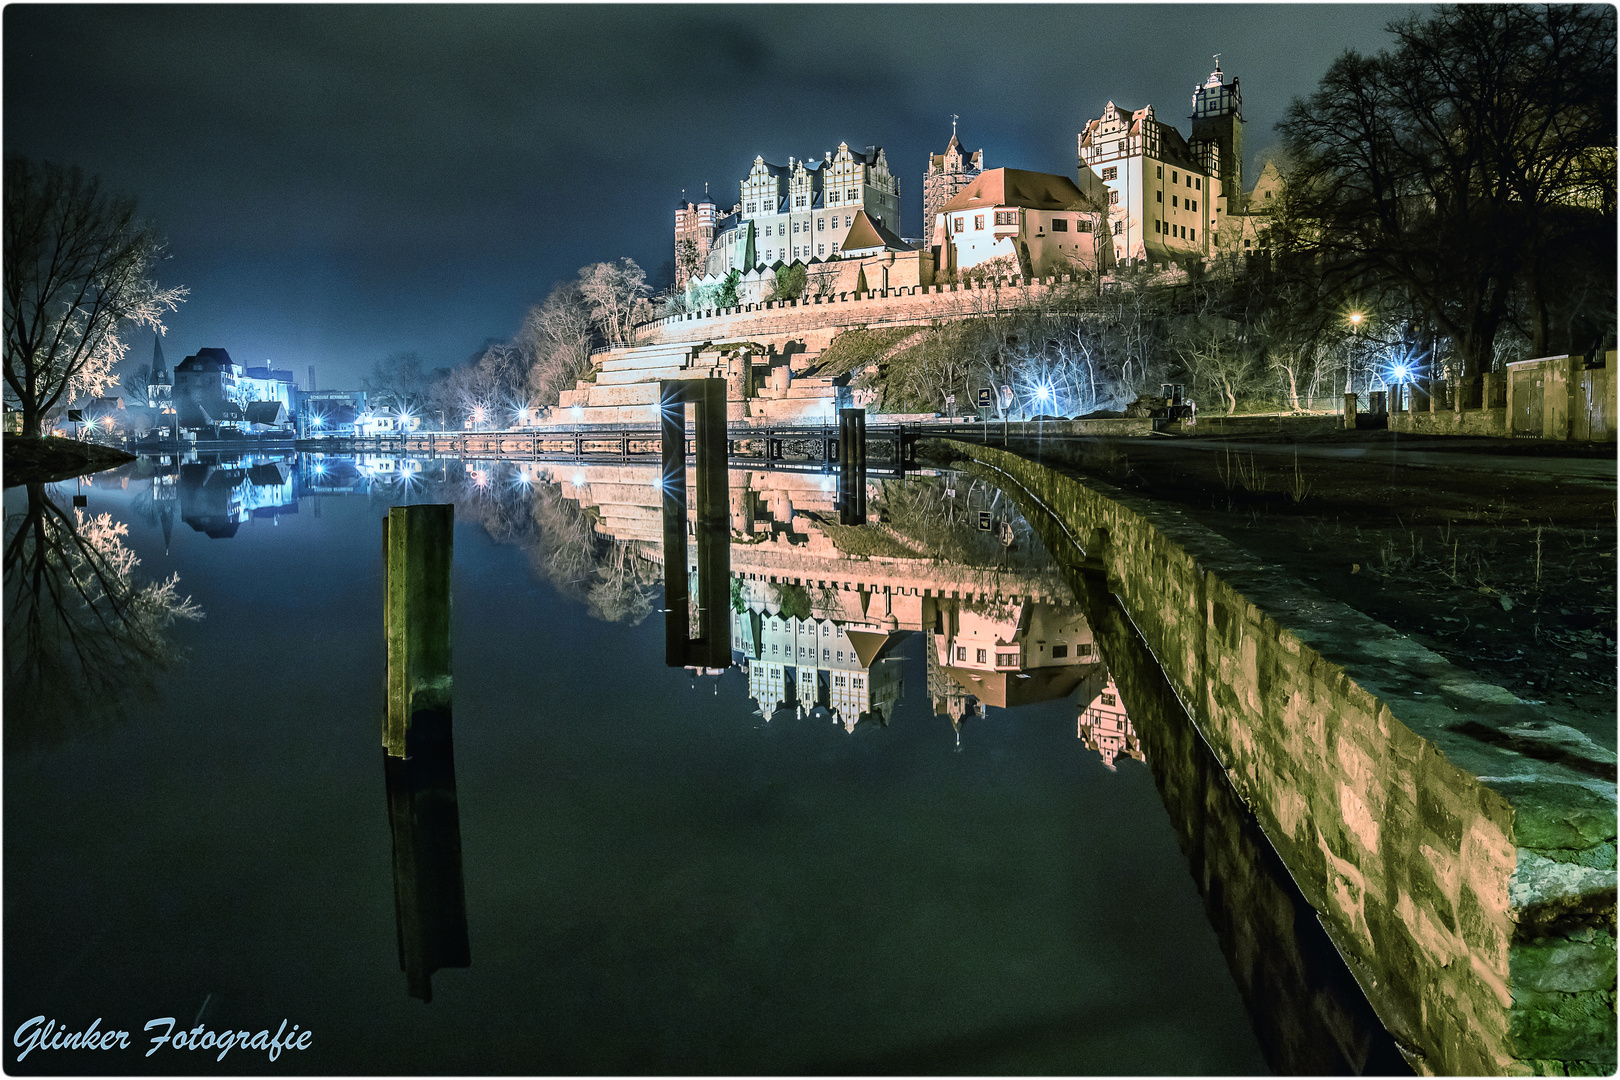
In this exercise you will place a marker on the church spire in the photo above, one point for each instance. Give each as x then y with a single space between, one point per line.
159 365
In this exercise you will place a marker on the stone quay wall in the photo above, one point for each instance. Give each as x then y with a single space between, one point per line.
1457 843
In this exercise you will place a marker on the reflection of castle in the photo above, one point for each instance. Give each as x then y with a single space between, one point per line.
1104 726
1013 652
803 663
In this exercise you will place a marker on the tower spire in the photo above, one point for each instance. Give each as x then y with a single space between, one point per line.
954 119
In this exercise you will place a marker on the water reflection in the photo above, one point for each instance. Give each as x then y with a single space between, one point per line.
85 636
430 906
819 611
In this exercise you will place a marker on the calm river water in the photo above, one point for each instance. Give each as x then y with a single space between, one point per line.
918 856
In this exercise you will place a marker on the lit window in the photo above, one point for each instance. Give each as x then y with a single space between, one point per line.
856 681
1006 659
959 224
1119 227
978 221
1006 217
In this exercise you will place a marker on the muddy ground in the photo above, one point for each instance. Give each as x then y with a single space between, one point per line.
1499 558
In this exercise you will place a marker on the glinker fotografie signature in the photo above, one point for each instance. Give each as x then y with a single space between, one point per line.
42 1034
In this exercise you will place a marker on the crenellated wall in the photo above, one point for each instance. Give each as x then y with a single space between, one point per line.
1457 843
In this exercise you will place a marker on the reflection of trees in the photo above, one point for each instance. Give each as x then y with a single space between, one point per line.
610 577
82 635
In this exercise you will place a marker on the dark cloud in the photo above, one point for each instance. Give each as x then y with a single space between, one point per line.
340 182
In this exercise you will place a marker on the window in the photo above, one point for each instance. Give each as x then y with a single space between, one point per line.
795 228
961 653
1189 179
840 656
1158 196
821 224
1082 226
980 656
799 201
1156 225
825 654
1085 649
751 207
1268 194
1245 243
1108 699
1006 659
857 681
1059 652
773 650
1159 170
1174 176
767 230
1183 232
1113 198
1006 217
978 221
1111 173
1195 206
959 224
848 220
1119 227
1059 225
1194 235
1174 202
1198 184
821 249
851 194
826 629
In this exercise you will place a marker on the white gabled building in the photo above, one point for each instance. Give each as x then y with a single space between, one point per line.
1161 196
1030 223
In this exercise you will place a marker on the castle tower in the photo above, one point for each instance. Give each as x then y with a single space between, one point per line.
948 173
694 237
1218 122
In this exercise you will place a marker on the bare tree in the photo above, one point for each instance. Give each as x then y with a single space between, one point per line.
615 294
76 268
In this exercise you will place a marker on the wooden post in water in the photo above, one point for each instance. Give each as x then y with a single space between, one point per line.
416 617
852 466
711 647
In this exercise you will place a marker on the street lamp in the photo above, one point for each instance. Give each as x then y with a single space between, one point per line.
1355 319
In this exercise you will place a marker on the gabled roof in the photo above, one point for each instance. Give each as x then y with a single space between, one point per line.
1016 187
866 233
205 360
265 412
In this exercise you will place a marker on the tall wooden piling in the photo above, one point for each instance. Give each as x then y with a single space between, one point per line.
711 646
416 617
852 466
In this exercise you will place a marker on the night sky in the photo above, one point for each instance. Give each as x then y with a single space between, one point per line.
340 183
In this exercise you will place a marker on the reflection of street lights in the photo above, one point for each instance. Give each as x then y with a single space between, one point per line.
477 416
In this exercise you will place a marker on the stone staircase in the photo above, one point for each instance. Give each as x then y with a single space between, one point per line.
624 388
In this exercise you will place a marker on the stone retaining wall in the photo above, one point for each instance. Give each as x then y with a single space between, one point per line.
1450 422
1458 843
893 307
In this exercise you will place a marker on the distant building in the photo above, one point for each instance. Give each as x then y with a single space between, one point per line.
1034 224
1165 194
330 412
803 664
948 173
696 225
211 390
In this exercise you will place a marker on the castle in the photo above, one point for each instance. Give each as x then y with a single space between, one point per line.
1160 196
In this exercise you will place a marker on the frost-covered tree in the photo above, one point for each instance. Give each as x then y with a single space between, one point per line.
78 266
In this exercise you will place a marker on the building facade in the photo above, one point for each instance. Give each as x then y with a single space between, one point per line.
1164 192
1029 223
948 173
797 212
